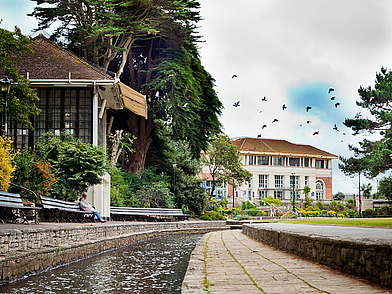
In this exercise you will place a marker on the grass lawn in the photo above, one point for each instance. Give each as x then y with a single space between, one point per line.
369 222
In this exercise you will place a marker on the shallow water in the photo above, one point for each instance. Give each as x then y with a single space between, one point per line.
151 266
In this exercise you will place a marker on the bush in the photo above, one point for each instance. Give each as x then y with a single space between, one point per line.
214 215
205 217
368 212
288 215
351 213
6 167
247 205
331 213
320 205
308 202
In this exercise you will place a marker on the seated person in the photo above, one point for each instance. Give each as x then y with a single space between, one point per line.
84 205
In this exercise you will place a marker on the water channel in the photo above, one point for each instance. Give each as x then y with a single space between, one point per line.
152 266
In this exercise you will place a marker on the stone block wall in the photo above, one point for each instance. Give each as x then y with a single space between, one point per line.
33 249
366 259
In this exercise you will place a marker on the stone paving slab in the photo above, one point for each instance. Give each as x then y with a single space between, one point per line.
231 262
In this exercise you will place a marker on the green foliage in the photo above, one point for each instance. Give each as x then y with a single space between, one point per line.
205 217
351 213
336 206
247 205
217 205
320 205
369 212
289 215
32 173
339 196
270 200
224 164
21 98
214 215
76 165
367 190
372 157
385 187
6 166
308 202
306 190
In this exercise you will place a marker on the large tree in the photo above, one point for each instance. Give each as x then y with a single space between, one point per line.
21 97
224 163
151 46
372 157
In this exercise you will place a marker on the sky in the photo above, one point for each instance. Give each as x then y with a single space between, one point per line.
290 52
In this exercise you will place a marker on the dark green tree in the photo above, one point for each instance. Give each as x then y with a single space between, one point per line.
339 196
372 157
385 187
151 46
21 99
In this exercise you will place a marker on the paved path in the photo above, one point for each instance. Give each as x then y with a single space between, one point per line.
231 262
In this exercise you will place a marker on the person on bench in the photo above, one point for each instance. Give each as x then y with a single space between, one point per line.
84 205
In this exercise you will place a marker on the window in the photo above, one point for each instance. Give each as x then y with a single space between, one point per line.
293 161
263 160
319 163
295 193
293 182
263 181
279 161
69 109
306 180
319 190
250 162
326 164
278 195
306 162
278 182
262 194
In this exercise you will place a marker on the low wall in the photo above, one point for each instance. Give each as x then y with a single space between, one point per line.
367 259
30 250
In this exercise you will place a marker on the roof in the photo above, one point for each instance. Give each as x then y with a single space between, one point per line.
50 65
51 61
280 147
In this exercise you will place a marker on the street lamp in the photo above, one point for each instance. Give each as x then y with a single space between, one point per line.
174 178
5 89
293 177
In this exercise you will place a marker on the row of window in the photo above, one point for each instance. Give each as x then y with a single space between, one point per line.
294 180
285 161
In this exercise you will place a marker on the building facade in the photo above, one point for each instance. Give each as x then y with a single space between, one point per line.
281 169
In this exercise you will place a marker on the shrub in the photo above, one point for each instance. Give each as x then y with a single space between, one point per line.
247 205
331 213
320 205
340 215
205 217
351 213
288 215
6 167
368 212
308 202
215 215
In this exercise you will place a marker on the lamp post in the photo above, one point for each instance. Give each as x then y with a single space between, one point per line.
5 89
174 178
293 177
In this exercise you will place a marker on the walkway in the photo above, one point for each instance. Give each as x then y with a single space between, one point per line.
231 262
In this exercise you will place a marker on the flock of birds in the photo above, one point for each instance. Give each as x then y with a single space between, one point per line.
284 107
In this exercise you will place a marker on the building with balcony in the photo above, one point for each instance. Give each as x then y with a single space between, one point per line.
281 169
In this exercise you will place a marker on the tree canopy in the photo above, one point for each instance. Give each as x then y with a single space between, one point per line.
224 164
150 45
21 97
372 157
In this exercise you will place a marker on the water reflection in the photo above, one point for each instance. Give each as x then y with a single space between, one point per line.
153 266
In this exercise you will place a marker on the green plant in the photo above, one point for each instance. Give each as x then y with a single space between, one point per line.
247 205
270 200
320 205
308 202
205 217
288 215
6 167
368 212
215 215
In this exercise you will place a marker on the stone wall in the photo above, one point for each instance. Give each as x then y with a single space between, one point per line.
33 249
366 259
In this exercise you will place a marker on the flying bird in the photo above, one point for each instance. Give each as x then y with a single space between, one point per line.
300 125
259 136
308 108
344 134
234 76
264 126
284 107
275 120
316 133
335 128
330 90
337 104
333 98
264 99
309 121
236 104
261 111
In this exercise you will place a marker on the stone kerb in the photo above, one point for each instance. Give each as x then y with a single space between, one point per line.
31 250
366 259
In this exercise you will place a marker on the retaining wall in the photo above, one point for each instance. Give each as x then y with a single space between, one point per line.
367 259
29 250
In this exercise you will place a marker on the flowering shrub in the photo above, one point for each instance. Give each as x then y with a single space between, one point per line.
6 167
331 213
340 215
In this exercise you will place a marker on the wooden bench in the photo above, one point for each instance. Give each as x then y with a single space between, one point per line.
64 211
134 213
12 203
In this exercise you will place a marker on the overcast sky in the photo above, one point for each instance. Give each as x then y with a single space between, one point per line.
291 52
